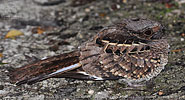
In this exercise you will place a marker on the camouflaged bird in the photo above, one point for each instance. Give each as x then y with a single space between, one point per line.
134 50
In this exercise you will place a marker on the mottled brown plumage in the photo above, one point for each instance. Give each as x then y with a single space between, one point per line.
134 50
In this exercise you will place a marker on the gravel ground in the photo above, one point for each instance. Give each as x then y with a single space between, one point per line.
67 24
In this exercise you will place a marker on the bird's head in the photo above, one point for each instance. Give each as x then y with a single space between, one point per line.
144 28
129 31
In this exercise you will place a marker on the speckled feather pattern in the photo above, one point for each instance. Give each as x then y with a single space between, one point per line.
132 66
134 50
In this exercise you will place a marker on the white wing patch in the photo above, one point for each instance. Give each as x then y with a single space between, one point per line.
93 76
65 69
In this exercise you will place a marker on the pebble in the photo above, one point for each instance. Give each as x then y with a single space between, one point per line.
91 92
89 82
87 10
78 90
182 39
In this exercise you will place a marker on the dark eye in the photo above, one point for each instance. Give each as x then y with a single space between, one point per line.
148 32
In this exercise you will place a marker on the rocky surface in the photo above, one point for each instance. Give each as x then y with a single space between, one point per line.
52 27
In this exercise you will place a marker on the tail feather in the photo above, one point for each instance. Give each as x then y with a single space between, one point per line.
51 75
45 69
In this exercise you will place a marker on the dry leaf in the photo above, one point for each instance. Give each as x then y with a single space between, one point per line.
40 30
13 34
177 50
1 55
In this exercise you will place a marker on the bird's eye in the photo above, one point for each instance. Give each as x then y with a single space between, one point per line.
148 32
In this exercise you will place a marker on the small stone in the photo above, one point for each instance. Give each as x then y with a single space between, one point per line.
91 92
182 39
107 18
115 7
89 82
78 89
87 10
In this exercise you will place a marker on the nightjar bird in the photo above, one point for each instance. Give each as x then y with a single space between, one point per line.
133 49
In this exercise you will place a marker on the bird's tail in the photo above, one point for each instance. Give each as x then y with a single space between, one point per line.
45 69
